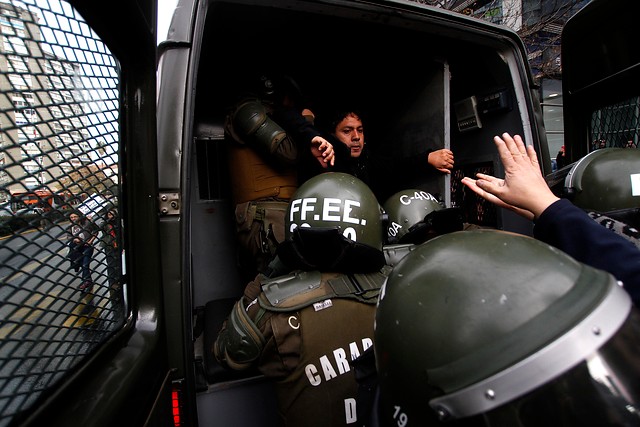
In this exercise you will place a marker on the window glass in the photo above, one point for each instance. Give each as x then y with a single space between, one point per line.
616 125
62 294
553 115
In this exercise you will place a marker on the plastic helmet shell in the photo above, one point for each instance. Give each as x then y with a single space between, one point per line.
336 199
468 305
605 180
407 208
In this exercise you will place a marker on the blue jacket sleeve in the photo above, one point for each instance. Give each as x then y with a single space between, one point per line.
572 230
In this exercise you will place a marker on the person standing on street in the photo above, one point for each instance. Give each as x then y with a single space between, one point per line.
112 253
80 241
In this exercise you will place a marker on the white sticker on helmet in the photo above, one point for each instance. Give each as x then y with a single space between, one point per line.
635 184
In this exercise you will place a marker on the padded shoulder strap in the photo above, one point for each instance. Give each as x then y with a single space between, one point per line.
303 288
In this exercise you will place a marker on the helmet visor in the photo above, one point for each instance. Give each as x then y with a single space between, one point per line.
603 390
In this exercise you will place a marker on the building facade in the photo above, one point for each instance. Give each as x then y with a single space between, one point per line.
45 133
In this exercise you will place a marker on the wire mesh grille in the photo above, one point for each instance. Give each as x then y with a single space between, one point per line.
62 292
616 125
475 209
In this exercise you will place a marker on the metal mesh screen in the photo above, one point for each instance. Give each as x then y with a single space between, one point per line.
475 209
616 125
60 298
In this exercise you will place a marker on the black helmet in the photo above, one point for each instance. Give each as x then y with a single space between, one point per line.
605 180
333 222
415 216
274 86
486 327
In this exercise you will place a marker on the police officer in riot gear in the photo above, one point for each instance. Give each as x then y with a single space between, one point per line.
268 134
557 221
606 184
491 328
415 216
303 329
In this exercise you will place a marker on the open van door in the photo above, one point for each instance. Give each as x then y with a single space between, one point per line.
77 94
600 74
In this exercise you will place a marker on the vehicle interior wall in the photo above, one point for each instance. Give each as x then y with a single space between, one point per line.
392 73
405 80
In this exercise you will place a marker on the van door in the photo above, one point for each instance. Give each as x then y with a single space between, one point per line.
599 76
83 326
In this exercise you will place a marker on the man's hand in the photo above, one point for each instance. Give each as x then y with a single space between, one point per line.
322 150
441 160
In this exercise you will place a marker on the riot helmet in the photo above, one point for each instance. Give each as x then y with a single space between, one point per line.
333 223
487 327
415 216
605 180
274 86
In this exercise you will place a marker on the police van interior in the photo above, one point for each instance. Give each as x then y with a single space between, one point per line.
425 77
425 80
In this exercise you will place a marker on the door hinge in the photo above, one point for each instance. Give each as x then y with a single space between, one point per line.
169 203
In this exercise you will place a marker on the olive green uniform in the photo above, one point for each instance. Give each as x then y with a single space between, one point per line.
263 179
303 330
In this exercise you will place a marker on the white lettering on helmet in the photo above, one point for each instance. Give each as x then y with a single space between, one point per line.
303 209
393 229
330 210
348 207
308 205
295 207
405 199
331 205
350 233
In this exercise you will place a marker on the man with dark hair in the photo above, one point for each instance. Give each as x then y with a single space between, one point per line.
375 168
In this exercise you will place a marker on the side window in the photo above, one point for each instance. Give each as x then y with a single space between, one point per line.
62 293
616 125
552 110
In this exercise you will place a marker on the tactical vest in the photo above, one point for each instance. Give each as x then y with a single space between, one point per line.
303 330
252 178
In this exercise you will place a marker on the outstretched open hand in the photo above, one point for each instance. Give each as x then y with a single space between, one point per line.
523 189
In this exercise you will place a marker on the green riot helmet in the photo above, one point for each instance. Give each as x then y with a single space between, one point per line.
605 180
491 328
333 223
415 216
